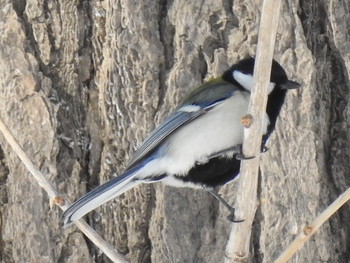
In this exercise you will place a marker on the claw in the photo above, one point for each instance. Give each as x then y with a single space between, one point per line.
231 217
241 157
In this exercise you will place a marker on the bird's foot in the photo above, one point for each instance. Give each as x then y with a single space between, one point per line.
231 216
240 156
231 150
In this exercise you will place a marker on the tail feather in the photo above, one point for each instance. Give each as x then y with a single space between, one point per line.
99 196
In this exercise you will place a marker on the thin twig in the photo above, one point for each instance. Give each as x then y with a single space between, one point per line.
309 230
107 249
237 249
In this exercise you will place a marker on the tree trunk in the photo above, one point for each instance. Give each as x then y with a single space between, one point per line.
83 82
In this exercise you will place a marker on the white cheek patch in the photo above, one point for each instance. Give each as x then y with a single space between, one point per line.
247 81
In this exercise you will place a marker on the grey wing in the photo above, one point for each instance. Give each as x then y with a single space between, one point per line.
171 124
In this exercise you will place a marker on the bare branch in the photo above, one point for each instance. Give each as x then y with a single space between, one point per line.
107 249
237 249
309 230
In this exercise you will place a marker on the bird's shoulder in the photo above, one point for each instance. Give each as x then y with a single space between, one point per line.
209 92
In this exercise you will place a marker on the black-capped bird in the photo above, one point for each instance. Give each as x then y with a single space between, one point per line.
196 146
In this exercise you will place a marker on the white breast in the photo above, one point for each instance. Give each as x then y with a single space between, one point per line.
217 130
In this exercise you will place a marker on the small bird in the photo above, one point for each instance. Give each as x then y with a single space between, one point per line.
197 145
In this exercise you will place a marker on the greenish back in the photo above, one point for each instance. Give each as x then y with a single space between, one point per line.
210 92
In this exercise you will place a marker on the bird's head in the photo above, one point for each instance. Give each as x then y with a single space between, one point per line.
241 74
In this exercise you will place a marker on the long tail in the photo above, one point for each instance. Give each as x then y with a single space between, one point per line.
100 195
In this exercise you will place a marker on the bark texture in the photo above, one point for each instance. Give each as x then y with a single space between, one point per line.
83 82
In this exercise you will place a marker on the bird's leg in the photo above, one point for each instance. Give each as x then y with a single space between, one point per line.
237 150
231 216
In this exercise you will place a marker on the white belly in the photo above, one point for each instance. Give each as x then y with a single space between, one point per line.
217 130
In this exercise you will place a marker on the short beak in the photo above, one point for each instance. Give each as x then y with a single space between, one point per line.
290 85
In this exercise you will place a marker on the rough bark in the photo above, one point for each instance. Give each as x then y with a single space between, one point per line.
83 82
